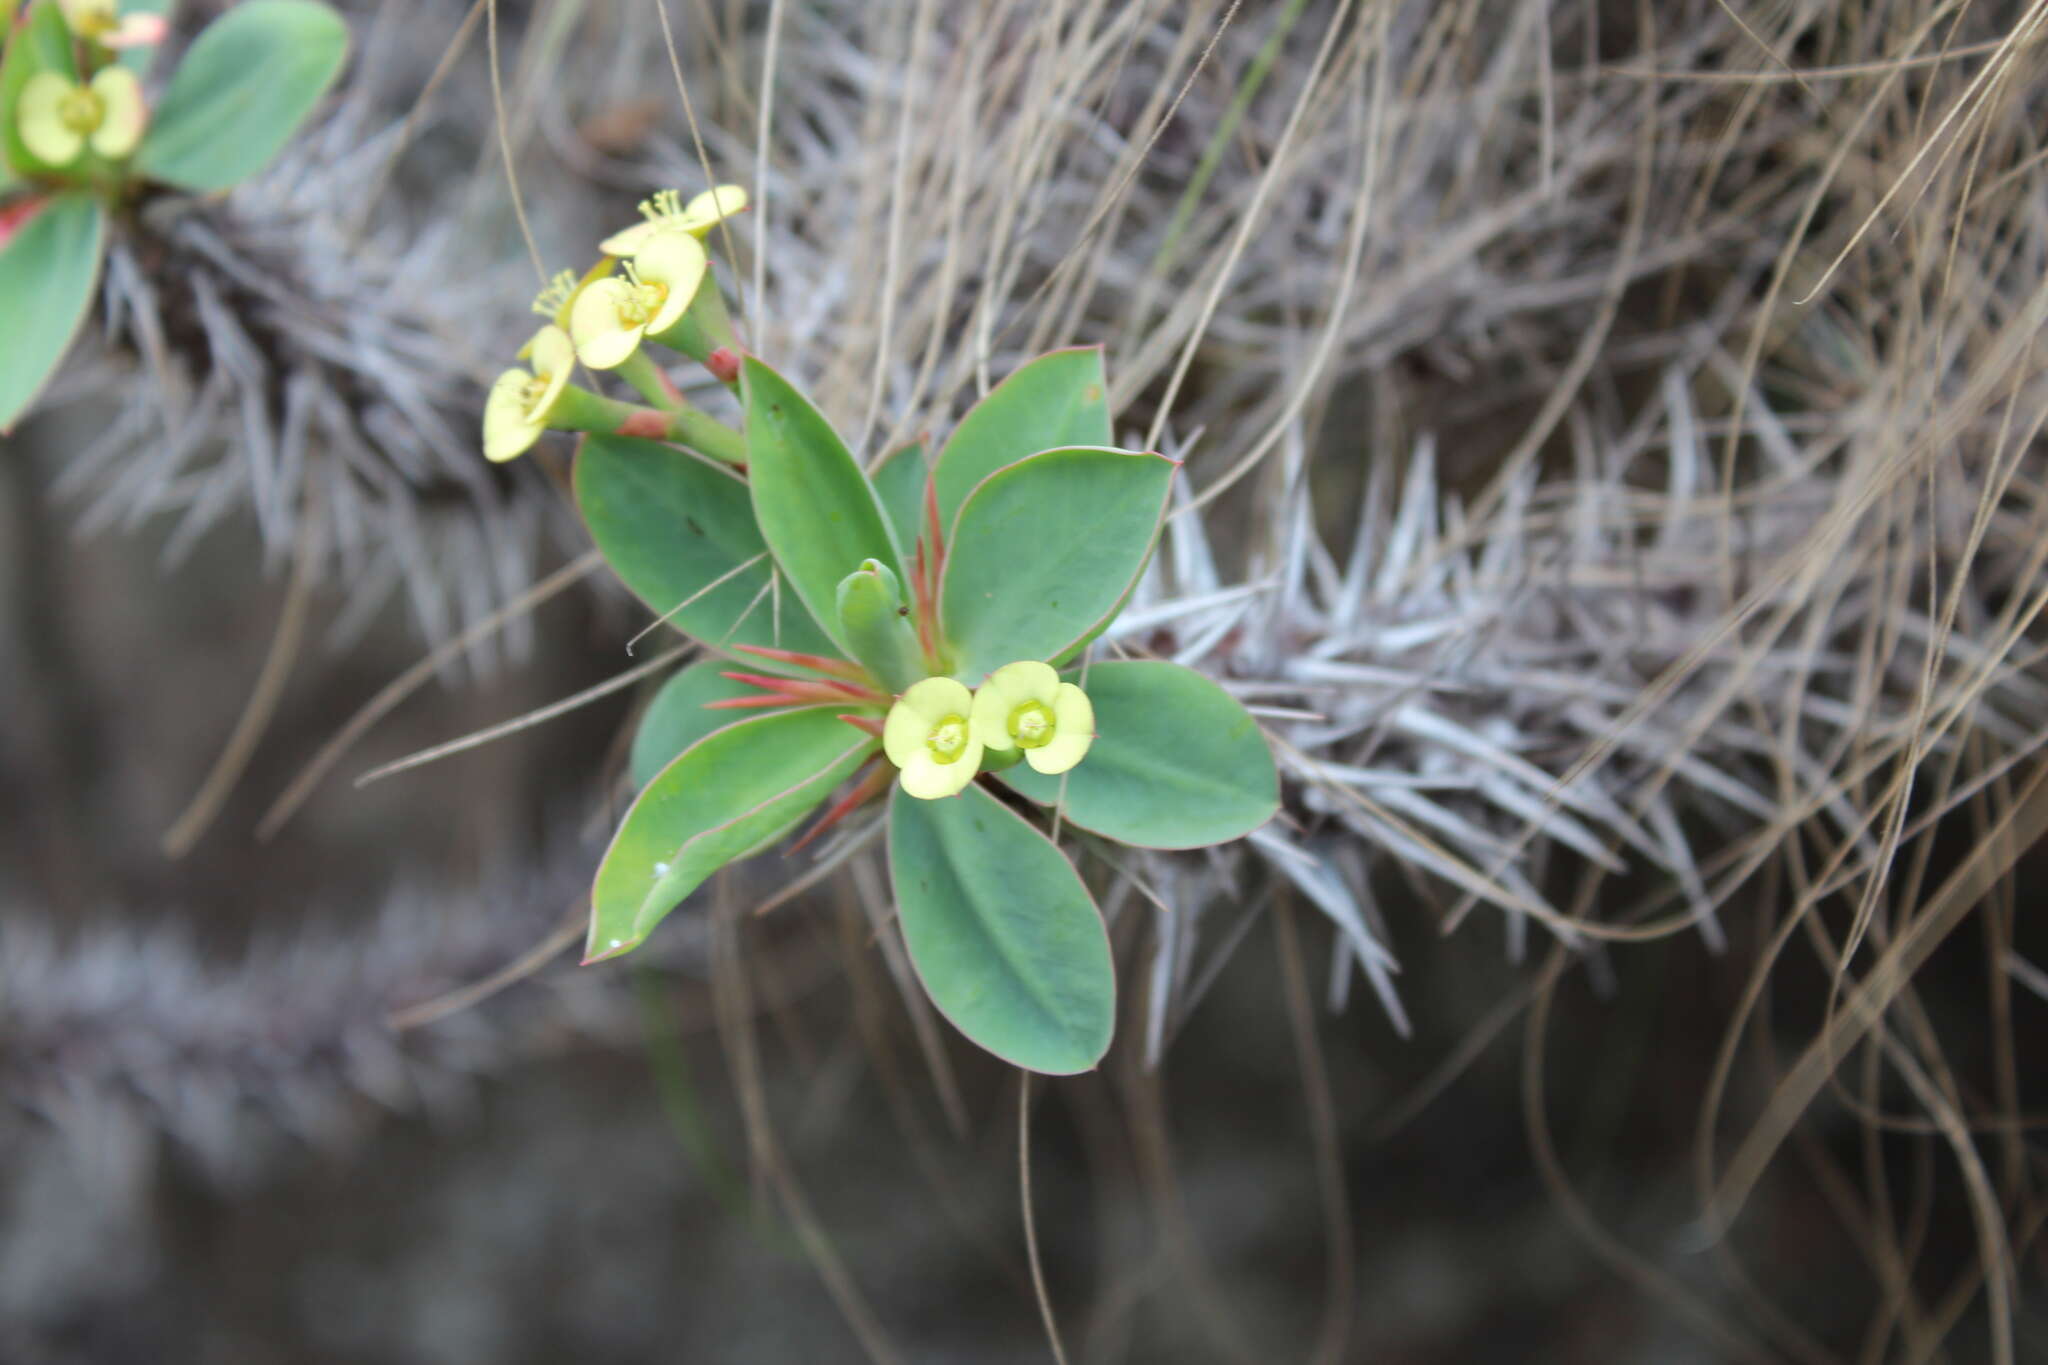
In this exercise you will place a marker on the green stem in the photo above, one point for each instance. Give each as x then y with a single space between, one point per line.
705 327
581 410
707 435
649 382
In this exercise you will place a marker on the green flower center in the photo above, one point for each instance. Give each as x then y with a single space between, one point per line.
81 111
1031 725
948 739
530 395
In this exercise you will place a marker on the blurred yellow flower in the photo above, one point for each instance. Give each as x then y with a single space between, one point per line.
665 212
515 413
58 118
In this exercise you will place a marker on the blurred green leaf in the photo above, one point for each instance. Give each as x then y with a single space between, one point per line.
1060 399
42 43
47 270
731 794
676 718
1176 763
816 509
1044 553
671 525
1004 936
247 84
899 481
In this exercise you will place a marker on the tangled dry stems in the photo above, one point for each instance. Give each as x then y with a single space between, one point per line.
1612 441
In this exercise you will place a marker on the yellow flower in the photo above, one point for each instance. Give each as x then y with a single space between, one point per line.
58 117
100 21
1025 706
610 315
928 735
666 212
516 412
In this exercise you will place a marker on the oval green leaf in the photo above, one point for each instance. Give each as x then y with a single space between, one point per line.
899 479
1003 934
816 510
1176 762
42 43
730 794
1044 553
247 84
679 529
1060 399
47 270
676 718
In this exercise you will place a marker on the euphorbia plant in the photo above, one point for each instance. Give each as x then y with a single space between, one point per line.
913 633
81 139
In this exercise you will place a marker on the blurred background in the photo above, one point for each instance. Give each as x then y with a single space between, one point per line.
1613 465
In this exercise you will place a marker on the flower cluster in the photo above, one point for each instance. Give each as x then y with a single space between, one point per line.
938 731
650 286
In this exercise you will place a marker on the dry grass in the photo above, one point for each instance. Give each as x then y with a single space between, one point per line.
1613 468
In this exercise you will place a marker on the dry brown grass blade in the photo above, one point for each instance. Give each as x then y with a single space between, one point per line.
1045 1311
734 1011
410 681
1734 1343
557 942
538 716
1334 1332
257 712
1865 1006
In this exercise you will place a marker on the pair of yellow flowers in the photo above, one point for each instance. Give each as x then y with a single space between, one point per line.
938 731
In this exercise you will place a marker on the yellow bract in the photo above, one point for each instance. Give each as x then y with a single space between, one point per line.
610 315
516 412
666 212
928 735
58 118
1025 706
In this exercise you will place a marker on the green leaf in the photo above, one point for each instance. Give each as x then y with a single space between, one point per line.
899 479
1003 934
1176 762
732 793
676 718
42 43
1059 399
816 509
242 90
670 525
47 270
1044 553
